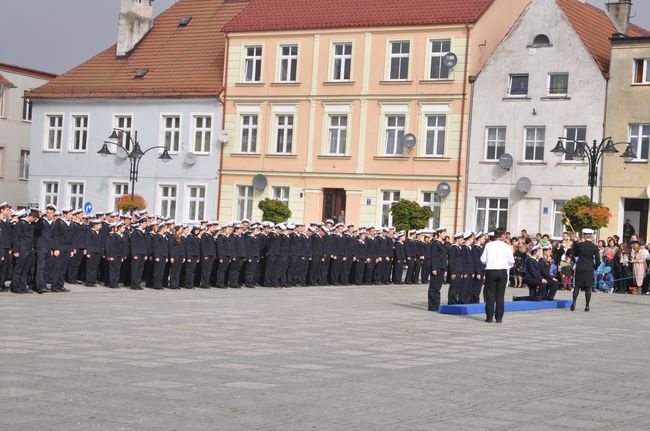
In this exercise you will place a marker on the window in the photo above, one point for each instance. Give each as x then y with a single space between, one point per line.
573 134
639 138
24 165
338 134
342 62
439 49
435 133
432 200
541 40
168 196
172 132
27 108
248 134
124 123
2 101
119 189
253 63
641 71
558 84
288 63
491 213
202 133
196 200
54 124
395 125
388 198
518 86
495 142
534 148
399 60
244 202
558 227
75 195
50 193
79 133
281 194
284 139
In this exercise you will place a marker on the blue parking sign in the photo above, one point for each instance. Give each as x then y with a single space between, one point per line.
88 207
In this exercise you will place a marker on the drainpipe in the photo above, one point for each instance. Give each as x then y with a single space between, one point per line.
223 124
467 159
462 122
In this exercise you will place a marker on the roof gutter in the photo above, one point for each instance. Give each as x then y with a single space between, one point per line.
462 128
223 123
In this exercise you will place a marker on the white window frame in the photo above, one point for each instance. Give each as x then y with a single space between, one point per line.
188 201
496 146
56 128
116 125
248 200
290 59
69 195
485 227
113 196
342 133
534 160
548 84
558 204
645 72
390 56
44 194
345 59
163 131
285 134
567 143
385 129
639 136
431 55
251 147
27 108
389 202
434 129
74 129
257 63
161 199
194 129
3 92
509 90
434 204
281 193
23 165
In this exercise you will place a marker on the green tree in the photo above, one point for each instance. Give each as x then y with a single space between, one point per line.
274 210
410 215
577 214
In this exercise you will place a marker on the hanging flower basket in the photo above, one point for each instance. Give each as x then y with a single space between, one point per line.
130 203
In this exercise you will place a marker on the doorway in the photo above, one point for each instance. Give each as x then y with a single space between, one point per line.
637 211
334 205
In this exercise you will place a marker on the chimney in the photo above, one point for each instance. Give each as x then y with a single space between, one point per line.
135 20
620 12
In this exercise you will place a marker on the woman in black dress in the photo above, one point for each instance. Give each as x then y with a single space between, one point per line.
588 259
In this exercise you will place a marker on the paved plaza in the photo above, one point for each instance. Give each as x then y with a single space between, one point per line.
333 358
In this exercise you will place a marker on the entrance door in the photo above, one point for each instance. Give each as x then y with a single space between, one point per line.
637 211
334 204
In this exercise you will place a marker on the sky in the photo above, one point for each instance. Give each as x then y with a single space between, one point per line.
56 35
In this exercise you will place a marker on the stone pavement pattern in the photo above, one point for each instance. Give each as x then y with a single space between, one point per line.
334 358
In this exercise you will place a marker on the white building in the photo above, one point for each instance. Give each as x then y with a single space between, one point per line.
547 79
15 130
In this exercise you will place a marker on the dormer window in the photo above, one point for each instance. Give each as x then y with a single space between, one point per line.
541 40
140 73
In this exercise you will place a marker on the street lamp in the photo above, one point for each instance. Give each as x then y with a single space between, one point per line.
134 156
593 154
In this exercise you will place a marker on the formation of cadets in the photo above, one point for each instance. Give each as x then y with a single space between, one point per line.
41 252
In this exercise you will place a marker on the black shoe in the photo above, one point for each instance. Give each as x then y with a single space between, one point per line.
587 308
573 307
91 285
64 290
499 321
488 320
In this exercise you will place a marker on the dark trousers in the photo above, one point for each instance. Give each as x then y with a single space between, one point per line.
280 270
346 270
398 271
325 270
304 270
466 290
60 269
410 269
43 266
453 295
92 267
206 270
114 267
293 270
175 273
5 265
251 271
190 272
416 270
378 272
269 271
370 269
73 266
495 290
435 284
477 285
359 269
159 272
336 266
388 269
137 266
235 271
221 272
21 271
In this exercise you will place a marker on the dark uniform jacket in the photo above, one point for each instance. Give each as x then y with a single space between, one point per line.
455 265
23 237
438 255
62 236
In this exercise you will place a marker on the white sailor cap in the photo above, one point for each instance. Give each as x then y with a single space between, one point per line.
87 216
20 213
66 210
77 211
246 221
401 233
237 225
4 205
459 235
325 229
467 235
441 229
587 231
300 224
311 229
51 207
350 225
211 223
329 221
535 248
270 224
291 226
479 234
282 226
491 234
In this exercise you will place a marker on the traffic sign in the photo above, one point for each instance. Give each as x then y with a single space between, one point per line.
88 207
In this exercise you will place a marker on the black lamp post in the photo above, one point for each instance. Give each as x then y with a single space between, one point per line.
593 154
134 156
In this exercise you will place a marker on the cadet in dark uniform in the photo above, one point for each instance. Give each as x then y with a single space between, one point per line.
139 253
305 254
193 255
586 252
293 268
44 233
349 258
160 255
116 254
23 250
77 244
224 255
455 269
177 257
317 240
479 267
94 252
63 250
438 268
399 258
371 253
5 243
252 246
361 253
410 248
388 252
468 268
238 251
208 253
425 272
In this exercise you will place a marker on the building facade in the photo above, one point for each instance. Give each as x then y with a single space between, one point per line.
163 80
16 129
626 184
323 107
548 79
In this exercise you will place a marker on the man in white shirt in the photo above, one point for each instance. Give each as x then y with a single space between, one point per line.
498 259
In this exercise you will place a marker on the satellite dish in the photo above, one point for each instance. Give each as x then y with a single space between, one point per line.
506 161
224 137
409 140
121 153
190 159
259 182
443 190
524 185
451 60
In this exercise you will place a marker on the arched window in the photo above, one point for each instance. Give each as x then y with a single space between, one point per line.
541 40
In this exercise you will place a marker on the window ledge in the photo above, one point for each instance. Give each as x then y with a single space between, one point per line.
488 162
399 158
249 84
569 163
529 163
331 156
281 156
636 161
640 84
339 82
23 180
516 99
51 151
396 82
245 155
27 121
201 154
286 84
81 151
558 97
435 81
431 158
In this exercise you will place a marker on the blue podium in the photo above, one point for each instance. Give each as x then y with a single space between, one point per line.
463 309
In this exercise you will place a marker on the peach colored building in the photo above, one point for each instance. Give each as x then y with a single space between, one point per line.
318 101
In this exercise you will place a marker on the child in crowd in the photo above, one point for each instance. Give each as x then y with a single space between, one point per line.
566 271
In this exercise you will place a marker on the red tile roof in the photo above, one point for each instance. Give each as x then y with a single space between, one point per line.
182 61
272 15
595 28
5 82
26 71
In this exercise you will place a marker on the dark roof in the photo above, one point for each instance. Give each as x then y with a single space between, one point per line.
182 61
26 71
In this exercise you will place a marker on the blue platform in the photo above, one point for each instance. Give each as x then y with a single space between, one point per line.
463 309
